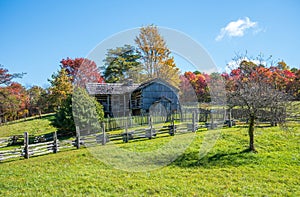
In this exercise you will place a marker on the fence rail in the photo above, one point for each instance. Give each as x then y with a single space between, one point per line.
153 129
3 142
8 154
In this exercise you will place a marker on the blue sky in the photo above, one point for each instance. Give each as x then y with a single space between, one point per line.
36 35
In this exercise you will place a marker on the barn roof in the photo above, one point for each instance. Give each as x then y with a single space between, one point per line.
122 88
110 88
157 80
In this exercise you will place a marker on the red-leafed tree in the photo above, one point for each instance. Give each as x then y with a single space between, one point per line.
199 82
14 102
9 103
81 71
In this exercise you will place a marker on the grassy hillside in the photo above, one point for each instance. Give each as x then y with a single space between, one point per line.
225 171
33 126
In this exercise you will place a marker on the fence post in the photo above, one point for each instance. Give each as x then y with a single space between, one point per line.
212 124
151 127
193 122
55 145
26 145
130 121
103 134
77 141
126 132
173 129
230 121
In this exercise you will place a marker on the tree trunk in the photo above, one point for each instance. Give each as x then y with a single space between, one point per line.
251 133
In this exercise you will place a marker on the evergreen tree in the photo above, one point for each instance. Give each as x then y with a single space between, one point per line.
122 63
82 110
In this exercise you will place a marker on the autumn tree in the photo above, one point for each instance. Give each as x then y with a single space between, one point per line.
37 101
156 58
81 71
122 63
60 88
251 87
9 105
10 99
14 101
6 78
199 83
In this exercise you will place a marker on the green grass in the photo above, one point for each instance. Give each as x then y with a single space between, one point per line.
227 170
32 126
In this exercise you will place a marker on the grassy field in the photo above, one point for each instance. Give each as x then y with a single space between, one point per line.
227 170
32 126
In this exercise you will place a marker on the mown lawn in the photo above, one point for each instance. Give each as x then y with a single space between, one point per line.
227 170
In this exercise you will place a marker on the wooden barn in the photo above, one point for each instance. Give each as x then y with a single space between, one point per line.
122 99
154 92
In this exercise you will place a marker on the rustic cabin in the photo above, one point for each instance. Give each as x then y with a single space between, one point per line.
156 91
115 97
122 99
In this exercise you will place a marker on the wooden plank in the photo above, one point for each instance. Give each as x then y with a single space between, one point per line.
39 144
115 138
9 157
8 151
7 154
42 147
163 132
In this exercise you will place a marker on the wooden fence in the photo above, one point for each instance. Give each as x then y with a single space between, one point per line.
28 150
31 148
130 134
186 115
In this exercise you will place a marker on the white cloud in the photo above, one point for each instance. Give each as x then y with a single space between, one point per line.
236 28
233 64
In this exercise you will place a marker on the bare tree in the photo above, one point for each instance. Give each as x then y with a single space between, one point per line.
252 88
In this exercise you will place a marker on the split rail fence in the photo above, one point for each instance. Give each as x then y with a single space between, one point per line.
29 149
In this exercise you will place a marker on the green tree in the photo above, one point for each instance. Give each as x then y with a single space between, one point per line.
122 63
87 111
80 109
156 57
64 120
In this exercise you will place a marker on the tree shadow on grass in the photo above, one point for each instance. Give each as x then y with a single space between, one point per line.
217 160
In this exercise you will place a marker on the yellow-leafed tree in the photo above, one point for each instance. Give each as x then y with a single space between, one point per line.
156 57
